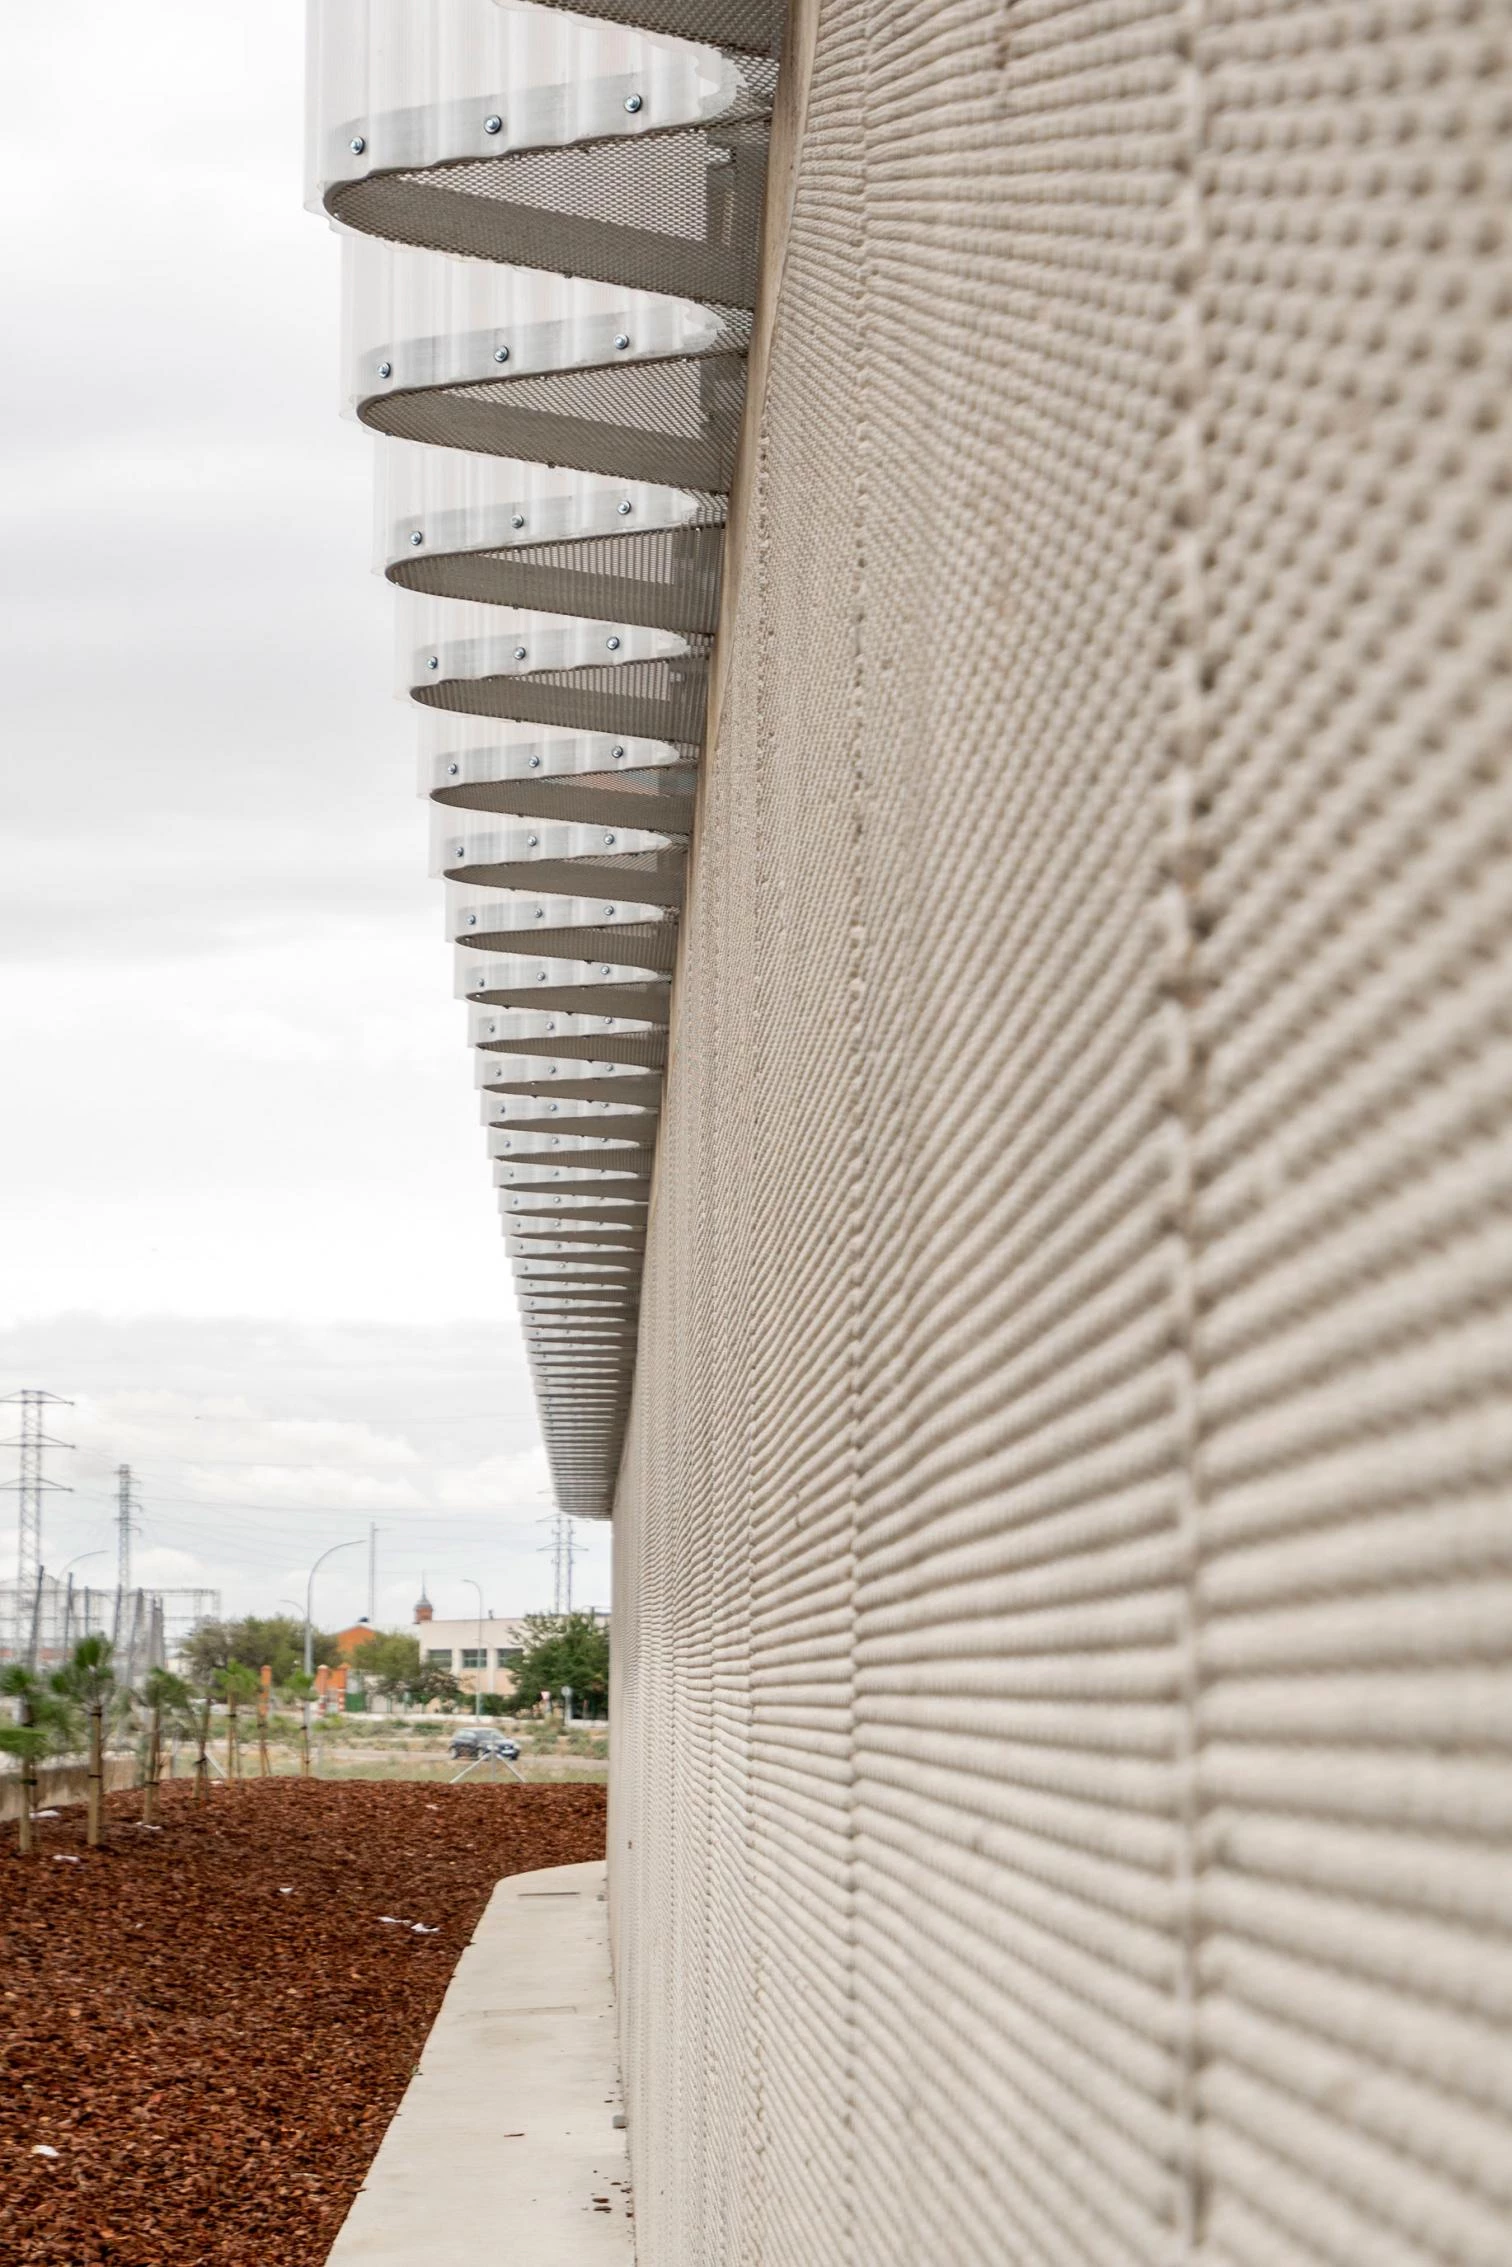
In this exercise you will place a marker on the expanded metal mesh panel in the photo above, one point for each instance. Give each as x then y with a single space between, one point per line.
588 798
755 25
1063 1792
672 421
652 700
676 212
664 578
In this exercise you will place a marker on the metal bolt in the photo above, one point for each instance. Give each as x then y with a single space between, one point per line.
540 914
609 912
519 653
622 341
534 841
634 102
540 975
501 354
617 752
416 539
452 770
613 644
518 520
433 661
609 841
356 145
624 510
535 763
494 125
385 369
472 920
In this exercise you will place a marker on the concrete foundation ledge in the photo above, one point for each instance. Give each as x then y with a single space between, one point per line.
504 2146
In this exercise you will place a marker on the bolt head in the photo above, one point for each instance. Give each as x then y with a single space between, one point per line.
357 145
416 539
535 765
385 369
634 102
501 354
534 841
493 125
517 519
433 661
622 342
519 653
613 644
617 752
452 770
624 510
472 920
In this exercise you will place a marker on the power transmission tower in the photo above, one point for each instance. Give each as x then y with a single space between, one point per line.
127 1506
563 1552
31 1484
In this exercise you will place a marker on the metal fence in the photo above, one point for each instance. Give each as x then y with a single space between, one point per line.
42 1622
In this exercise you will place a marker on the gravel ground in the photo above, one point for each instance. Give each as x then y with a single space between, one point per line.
211 2025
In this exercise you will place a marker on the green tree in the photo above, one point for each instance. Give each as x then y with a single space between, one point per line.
566 1649
390 1662
46 1724
274 1639
393 1663
434 1683
88 1683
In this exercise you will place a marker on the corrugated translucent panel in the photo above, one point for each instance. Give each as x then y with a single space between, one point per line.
754 24
398 86
1063 1801
484 764
593 677
546 539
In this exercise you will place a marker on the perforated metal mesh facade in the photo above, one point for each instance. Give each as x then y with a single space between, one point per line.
1063 1624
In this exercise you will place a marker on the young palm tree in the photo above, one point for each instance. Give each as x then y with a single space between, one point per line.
46 1725
298 1686
164 1698
201 1700
237 1683
88 1682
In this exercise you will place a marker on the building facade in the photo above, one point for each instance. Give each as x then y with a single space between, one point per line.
1009 1163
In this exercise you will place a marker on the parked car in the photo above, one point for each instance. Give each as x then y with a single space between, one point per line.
480 1746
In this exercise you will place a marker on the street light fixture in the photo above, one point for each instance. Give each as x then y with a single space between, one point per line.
478 1672
309 1644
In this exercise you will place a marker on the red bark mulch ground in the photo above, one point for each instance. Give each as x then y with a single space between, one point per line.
214 2060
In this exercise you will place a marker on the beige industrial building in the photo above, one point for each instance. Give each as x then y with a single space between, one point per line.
954 558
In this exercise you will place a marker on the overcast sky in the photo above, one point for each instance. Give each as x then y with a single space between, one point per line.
248 1221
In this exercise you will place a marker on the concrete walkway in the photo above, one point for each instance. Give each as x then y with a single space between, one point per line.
504 2147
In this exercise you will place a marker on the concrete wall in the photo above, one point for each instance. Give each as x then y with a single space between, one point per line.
59 1783
1063 1614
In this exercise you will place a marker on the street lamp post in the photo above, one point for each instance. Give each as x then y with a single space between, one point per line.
478 1672
309 1641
